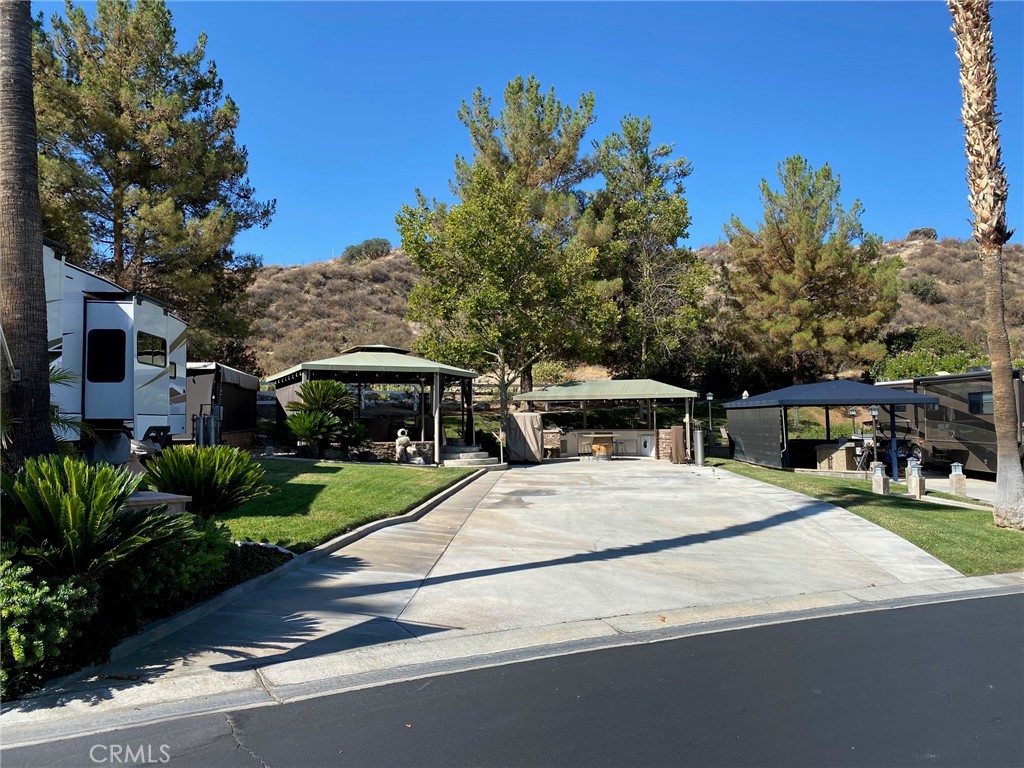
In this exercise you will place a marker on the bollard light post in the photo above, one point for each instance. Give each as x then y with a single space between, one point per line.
852 413
710 397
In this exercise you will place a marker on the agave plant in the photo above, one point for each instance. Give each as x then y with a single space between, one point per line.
218 477
70 516
315 428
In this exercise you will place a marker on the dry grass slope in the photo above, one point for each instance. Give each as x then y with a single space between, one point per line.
318 310
958 303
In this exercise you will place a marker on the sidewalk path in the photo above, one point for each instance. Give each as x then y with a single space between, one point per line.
533 561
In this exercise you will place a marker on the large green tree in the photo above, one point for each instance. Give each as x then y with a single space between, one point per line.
637 220
811 286
988 189
140 173
500 290
534 139
24 371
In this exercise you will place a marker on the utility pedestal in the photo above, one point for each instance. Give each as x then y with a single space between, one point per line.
879 480
915 481
958 480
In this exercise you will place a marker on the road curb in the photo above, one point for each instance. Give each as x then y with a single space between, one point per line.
479 651
160 629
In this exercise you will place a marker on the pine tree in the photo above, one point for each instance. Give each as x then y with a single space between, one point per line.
140 173
637 221
812 288
536 140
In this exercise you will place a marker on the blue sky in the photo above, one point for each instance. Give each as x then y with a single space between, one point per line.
347 108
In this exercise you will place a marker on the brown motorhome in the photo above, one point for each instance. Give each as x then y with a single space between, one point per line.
960 428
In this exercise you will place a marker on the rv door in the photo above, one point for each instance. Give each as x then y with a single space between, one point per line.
108 360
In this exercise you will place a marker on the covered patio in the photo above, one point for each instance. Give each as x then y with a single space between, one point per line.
618 442
759 425
362 367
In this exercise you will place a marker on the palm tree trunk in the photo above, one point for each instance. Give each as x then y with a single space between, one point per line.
24 387
987 185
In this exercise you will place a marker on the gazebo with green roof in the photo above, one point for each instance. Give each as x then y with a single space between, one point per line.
381 364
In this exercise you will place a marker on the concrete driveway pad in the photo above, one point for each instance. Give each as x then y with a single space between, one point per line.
518 560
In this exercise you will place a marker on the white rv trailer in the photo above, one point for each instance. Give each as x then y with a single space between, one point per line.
126 351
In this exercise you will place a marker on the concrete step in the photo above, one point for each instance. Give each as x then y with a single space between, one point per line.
457 448
445 455
488 462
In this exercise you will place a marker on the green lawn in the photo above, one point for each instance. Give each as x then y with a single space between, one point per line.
313 503
964 538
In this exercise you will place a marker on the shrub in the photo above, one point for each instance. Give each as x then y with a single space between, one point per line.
923 233
488 442
69 516
926 288
218 478
374 248
353 436
315 428
41 620
175 576
247 561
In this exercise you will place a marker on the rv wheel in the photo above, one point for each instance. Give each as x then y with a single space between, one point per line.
917 454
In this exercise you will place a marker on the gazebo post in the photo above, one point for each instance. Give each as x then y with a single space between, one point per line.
892 444
687 420
583 406
437 417
470 432
657 442
423 411
828 425
462 406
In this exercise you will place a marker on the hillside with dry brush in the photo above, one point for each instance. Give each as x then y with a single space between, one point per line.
317 310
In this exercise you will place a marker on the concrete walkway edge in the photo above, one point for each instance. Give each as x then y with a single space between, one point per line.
160 629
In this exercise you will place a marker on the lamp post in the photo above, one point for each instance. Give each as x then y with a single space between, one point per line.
874 432
710 397
852 413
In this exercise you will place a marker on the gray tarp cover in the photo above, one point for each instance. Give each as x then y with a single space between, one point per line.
525 438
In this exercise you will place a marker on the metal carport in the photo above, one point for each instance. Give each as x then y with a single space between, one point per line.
840 392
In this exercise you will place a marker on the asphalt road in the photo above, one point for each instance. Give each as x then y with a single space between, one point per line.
935 685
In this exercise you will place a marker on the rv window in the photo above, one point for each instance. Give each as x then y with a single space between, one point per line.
979 402
152 350
106 355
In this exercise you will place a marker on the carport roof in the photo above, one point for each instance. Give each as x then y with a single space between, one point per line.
607 389
375 358
839 392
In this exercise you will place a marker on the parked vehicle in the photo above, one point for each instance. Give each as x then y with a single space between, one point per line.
960 428
125 350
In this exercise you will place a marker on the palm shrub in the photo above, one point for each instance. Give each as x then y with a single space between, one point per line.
326 396
217 477
353 436
41 620
315 428
69 518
